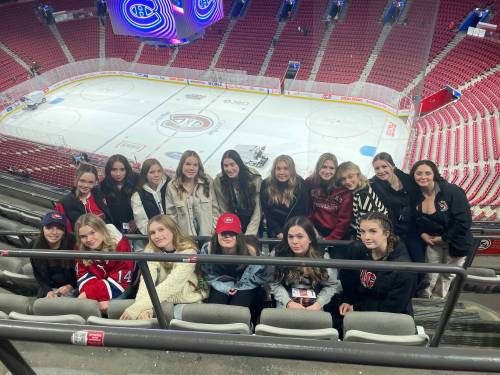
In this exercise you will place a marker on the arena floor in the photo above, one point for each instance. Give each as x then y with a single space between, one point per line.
142 118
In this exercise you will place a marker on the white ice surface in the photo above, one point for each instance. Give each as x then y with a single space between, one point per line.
134 117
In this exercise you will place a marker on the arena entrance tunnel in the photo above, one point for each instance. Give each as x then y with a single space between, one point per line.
431 357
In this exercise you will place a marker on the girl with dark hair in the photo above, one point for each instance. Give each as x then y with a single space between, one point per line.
175 282
56 277
232 284
364 198
284 195
398 192
118 186
331 211
385 291
101 280
150 195
237 189
85 197
443 220
308 288
190 199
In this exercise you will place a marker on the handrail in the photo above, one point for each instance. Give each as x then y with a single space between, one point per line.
459 359
262 260
30 233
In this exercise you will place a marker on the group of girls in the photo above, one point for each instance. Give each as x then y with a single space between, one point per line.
180 283
412 215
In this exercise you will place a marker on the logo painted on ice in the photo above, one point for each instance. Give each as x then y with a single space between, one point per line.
188 122
143 14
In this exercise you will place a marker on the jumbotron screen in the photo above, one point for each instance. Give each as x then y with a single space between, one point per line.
163 19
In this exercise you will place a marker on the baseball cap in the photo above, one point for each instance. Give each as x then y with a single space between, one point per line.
228 223
54 217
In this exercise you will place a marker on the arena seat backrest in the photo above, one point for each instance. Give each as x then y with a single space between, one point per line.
64 319
383 328
63 306
97 321
12 302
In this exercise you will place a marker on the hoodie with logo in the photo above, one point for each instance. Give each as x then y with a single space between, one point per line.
384 291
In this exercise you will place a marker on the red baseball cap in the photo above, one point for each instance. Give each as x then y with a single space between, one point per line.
228 223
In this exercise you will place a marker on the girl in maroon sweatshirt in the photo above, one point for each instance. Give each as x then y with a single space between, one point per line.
331 206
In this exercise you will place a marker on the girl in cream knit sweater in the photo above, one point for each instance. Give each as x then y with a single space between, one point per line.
175 282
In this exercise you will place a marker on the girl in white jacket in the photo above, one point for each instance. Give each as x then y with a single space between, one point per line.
190 199
149 198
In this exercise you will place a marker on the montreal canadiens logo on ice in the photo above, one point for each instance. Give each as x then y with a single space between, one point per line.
187 122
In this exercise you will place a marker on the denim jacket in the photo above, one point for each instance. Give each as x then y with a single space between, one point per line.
253 276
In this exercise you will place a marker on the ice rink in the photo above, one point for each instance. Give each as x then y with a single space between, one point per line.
143 118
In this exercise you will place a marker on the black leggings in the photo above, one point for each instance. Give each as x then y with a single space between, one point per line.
243 298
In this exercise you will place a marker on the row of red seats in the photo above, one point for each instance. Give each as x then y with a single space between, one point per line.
251 38
27 37
302 46
81 37
352 42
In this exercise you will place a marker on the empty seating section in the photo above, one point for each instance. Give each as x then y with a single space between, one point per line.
44 163
11 72
81 37
30 39
448 148
402 56
251 37
302 46
439 148
199 55
494 126
351 42
430 148
486 175
121 46
454 176
465 176
449 11
471 57
491 192
467 184
456 154
466 143
155 56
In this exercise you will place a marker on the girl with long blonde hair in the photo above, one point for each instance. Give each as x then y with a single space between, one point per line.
175 282
101 280
283 195
364 198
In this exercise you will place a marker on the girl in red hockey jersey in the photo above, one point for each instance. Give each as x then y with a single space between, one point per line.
101 280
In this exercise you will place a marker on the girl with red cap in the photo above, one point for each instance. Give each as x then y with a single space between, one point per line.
232 284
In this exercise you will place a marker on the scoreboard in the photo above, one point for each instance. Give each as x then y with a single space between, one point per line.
173 21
